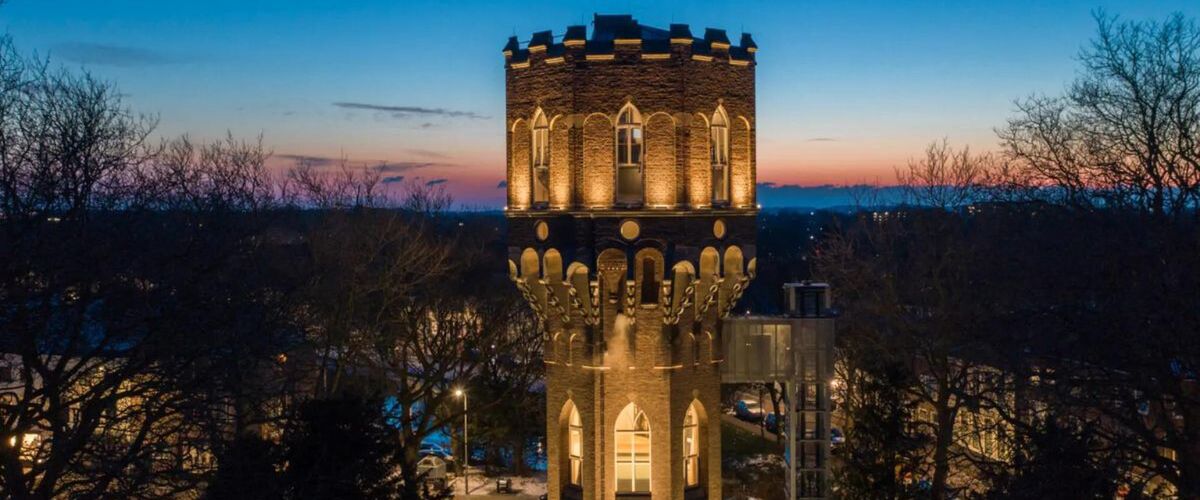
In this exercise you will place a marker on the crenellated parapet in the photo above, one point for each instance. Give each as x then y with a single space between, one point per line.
673 274
622 38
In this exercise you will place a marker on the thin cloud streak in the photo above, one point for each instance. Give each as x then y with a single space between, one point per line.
387 167
409 111
426 153
312 161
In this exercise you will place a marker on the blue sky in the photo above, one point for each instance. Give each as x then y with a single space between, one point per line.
847 90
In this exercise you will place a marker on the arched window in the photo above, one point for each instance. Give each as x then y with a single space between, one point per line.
540 160
633 451
650 284
629 156
575 446
691 447
718 140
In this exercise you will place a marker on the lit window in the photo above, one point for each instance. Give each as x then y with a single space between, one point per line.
633 450
541 159
629 156
719 145
691 447
575 446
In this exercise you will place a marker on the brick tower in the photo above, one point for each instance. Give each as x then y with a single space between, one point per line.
631 210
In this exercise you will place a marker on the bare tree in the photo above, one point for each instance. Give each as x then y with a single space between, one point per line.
1125 133
946 178
113 274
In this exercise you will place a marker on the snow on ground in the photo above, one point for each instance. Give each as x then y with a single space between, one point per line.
485 487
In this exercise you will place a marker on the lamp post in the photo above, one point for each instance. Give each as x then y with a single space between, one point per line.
466 449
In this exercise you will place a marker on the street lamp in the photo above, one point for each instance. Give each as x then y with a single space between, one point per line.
466 461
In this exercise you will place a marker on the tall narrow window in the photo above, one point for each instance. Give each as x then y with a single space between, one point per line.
629 157
575 446
540 160
691 447
719 144
650 283
633 451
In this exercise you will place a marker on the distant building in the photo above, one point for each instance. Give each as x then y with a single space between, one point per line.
631 207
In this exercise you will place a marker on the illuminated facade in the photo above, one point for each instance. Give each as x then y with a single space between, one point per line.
631 208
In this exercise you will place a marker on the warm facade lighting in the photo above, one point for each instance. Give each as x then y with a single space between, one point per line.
631 173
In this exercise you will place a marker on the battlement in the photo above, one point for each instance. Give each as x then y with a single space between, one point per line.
623 37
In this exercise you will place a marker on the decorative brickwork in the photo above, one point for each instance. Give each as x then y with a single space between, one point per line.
631 295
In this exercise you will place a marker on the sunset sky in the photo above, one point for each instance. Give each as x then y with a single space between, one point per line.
847 91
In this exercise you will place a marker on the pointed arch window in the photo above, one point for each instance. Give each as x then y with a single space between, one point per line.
691 447
629 156
540 159
633 450
718 140
575 446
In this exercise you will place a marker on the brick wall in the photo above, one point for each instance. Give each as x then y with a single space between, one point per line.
678 89
663 367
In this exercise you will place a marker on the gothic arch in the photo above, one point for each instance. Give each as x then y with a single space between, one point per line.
539 164
570 425
574 349
629 182
660 160
612 271
648 274
561 177
699 171
741 189
719 161
519 185
695 436
631 445
597 188
556 348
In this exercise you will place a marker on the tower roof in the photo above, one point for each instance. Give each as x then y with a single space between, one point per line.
609 30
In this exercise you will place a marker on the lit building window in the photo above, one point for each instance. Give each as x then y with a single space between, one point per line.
629 156
575 446
540 160
633 450
719 145
691 447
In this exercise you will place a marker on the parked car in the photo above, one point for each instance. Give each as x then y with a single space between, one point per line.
433 469
836 438
435 450
749 410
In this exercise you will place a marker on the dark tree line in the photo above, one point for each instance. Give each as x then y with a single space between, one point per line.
175 318
1028 324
